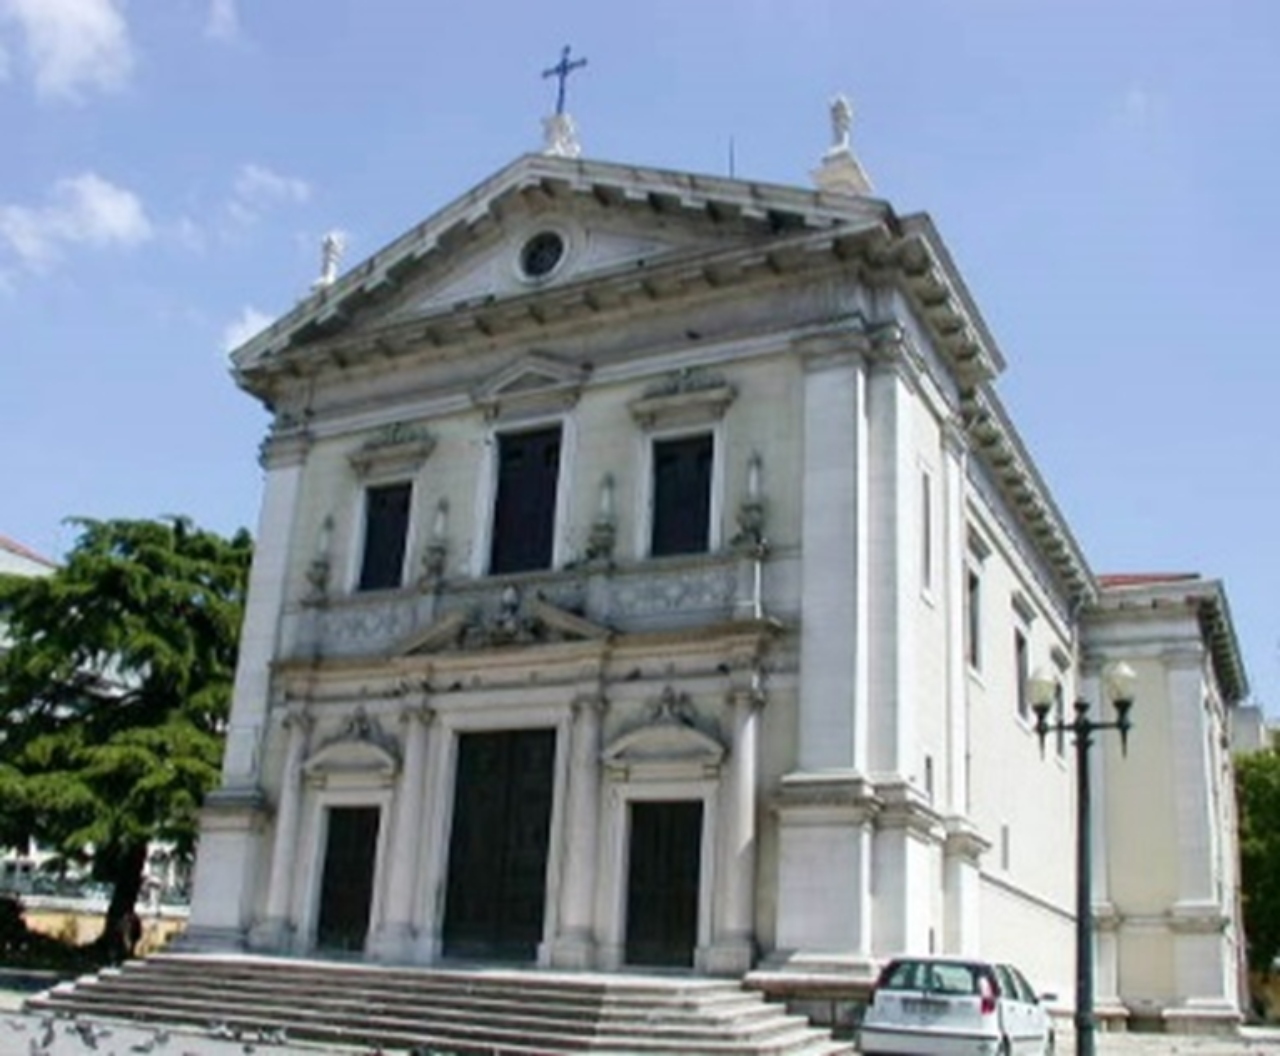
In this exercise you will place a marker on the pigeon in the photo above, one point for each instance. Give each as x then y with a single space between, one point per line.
144 1046
219 1029
161 1036
17 1025
278 1036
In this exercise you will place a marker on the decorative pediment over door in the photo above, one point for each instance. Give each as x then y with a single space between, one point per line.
535 384
669 745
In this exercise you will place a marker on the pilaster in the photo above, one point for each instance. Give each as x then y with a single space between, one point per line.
825 828
283 457
834 632
231 827
953 587
394 939
275 930
962 852
890 541
1193 801
908 835
575 945
733 941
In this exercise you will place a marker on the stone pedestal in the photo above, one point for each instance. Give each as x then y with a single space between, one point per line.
231 831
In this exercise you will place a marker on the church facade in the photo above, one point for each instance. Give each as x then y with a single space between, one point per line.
649 575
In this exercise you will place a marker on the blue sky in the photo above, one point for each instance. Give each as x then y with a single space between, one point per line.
1102 171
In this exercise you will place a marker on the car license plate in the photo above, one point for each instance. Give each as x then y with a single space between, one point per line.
925 1008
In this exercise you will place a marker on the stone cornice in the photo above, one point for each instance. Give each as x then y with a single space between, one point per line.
994 440
1126 599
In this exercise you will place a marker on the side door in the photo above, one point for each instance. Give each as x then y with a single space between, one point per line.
1014 1013
1038 1023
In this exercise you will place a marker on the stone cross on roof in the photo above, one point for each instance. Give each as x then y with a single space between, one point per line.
562 69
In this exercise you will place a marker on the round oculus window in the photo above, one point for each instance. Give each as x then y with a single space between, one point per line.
541 254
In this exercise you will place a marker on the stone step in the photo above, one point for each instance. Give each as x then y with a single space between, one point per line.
724 998
458 1011
352 1015
620 983
139 988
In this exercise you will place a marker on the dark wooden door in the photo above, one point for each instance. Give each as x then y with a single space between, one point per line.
524 515
346 887
497 884
662 883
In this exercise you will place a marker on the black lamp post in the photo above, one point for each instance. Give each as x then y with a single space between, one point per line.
1118 680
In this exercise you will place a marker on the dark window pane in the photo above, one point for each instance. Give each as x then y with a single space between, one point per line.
524 516
386 530
682 495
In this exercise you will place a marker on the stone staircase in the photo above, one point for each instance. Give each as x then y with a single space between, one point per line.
489 1011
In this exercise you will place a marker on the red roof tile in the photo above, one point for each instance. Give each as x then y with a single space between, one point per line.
15 547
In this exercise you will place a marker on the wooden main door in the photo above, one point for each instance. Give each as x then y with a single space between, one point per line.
346 886
662 882
497 884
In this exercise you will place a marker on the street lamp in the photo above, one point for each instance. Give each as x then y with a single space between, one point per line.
1118 680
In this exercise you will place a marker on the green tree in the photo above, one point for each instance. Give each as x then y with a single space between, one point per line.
114 691
1258 793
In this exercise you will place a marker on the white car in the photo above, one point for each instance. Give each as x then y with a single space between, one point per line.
954 1006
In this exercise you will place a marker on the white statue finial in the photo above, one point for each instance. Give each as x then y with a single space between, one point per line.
560 137
331 247
840 172
841 124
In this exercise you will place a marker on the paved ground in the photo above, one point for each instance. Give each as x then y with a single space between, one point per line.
22 1035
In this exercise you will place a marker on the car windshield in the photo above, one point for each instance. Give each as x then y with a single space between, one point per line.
936 977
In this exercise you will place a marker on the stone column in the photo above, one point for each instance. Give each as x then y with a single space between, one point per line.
395 938
733 944
275 929
574 946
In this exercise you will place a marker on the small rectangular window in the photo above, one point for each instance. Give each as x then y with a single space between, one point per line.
682 495
973 619
926 530
524 514
386 532
1022 671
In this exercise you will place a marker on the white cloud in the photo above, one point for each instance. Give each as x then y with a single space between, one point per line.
257 186
82 210
73 45
247 324
223 21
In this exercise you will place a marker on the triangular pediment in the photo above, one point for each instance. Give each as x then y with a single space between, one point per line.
668 743
507 620
610 220
537 383
361 751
